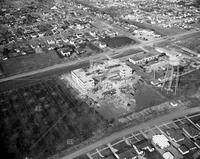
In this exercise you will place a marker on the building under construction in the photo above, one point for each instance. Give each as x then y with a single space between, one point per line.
111 72
110 81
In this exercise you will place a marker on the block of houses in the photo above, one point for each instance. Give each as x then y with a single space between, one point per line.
175 135
186 146
143 145
183 149
190 130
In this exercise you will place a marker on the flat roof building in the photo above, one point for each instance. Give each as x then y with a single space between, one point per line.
83 80
143 57
110 71
161 140
168 155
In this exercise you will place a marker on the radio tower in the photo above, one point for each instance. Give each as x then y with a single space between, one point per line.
172 72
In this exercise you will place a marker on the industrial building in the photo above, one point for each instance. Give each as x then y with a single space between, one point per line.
143 57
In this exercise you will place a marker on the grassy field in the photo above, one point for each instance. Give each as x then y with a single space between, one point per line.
29 62
117 42
109 111
164 31
128 53
192 43
147 97
44 118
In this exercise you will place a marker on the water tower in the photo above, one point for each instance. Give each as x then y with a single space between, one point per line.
172 72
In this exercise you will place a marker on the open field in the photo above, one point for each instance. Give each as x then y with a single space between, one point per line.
29 63
44 118
109 111
127 53
117 42
147 97
192 43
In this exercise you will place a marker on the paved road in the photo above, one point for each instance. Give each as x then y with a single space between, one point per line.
86 59
127 131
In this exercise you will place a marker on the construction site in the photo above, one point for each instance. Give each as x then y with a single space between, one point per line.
108 85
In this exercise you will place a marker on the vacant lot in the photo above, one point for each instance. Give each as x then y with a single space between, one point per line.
110 111
127 53
117 42
192 43
44 118
146 97
29 63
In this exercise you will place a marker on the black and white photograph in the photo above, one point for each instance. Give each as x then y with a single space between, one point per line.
100 79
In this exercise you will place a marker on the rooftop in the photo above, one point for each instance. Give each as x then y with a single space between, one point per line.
183 149
82 75
175 134
161 141
168 155
143 55
143 144
190 130
190 145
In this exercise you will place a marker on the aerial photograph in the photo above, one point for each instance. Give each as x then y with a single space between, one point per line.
100 79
